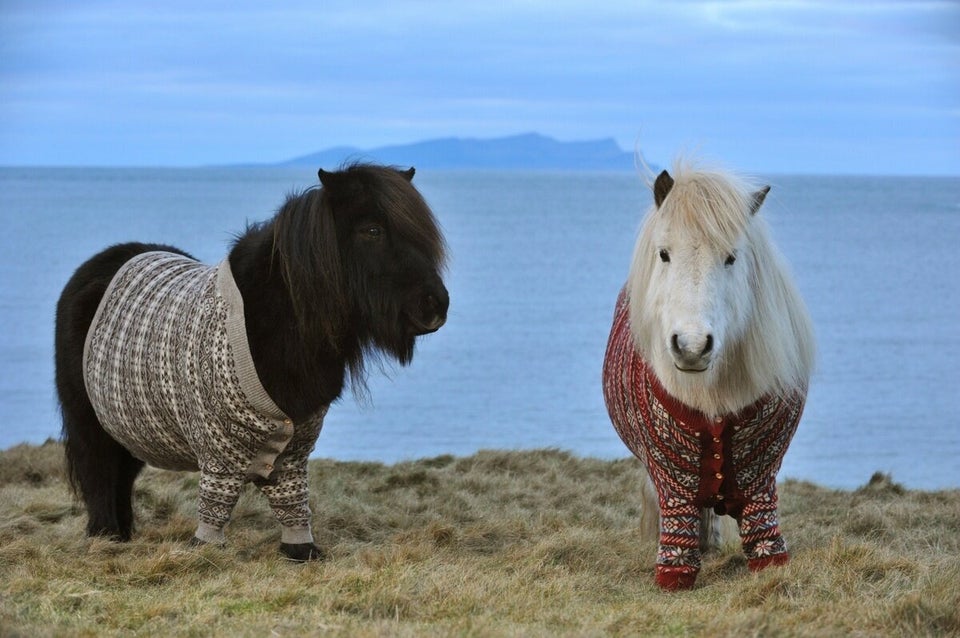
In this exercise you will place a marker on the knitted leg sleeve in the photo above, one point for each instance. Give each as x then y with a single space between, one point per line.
760 533
678 557
218 496
288 497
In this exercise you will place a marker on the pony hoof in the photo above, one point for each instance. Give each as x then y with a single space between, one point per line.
196 542
675 579
302 552
111 534
758 564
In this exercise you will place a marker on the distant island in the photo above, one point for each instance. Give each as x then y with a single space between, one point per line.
529 151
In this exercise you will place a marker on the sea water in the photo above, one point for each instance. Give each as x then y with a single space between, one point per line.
536 262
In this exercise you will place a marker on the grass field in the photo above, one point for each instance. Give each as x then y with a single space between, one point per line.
536 543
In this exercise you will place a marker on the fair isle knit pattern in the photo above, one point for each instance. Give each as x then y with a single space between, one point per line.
728 462
168 370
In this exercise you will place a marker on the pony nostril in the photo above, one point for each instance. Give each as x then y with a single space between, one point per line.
429 309
688 347
442 300
432 311
434 306
708 346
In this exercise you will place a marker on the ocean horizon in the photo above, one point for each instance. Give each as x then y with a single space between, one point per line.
537 259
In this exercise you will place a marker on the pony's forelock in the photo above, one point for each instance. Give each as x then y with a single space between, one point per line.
404 206
414 219
712 203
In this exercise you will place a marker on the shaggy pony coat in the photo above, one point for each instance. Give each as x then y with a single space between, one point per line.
343 272
710 422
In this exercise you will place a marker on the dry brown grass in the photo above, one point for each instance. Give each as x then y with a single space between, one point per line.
497 544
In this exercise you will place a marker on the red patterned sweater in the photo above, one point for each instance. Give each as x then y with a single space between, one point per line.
727 462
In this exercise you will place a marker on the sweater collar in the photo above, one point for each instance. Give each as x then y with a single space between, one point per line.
693 419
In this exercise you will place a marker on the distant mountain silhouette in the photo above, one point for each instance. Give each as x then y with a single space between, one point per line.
530 151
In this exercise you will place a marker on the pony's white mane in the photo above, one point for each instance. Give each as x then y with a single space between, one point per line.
776 351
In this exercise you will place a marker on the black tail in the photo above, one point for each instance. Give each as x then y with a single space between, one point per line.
101 471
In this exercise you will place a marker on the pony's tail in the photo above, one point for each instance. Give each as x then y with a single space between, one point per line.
99 469
101 473
649 509
718 532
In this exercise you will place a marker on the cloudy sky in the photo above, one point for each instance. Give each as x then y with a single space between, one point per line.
832 86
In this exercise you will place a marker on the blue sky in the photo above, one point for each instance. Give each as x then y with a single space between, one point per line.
838 86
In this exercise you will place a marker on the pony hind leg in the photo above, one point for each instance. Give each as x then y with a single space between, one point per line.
102 473
127 471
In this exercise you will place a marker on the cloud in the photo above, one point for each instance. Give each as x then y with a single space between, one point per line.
126 82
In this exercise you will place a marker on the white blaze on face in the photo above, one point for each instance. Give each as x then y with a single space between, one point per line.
702 298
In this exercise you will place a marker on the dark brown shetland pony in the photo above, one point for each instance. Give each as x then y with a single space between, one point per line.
344 271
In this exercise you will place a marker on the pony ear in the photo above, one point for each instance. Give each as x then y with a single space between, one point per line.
756 200
409 173
661 187
333 180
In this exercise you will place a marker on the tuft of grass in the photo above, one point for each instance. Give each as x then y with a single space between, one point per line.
533 543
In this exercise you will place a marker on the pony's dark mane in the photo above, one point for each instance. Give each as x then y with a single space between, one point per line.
305 250
296 290
342 272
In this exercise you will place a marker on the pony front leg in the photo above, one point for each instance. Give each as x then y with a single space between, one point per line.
286 491
678 556
760 534
218 496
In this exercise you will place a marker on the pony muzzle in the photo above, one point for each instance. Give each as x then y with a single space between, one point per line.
430 312
691 352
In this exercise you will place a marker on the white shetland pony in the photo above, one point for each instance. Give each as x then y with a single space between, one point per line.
707 368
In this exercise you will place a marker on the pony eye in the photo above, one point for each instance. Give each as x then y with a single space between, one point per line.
730 259
664 255
373 231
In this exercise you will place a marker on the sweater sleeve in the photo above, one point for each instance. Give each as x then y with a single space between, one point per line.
218 496
287 488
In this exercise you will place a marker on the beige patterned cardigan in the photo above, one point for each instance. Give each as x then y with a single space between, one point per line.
168 370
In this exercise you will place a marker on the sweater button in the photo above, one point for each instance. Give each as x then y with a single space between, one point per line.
716 440
719 475
716 456
719 419
719 497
